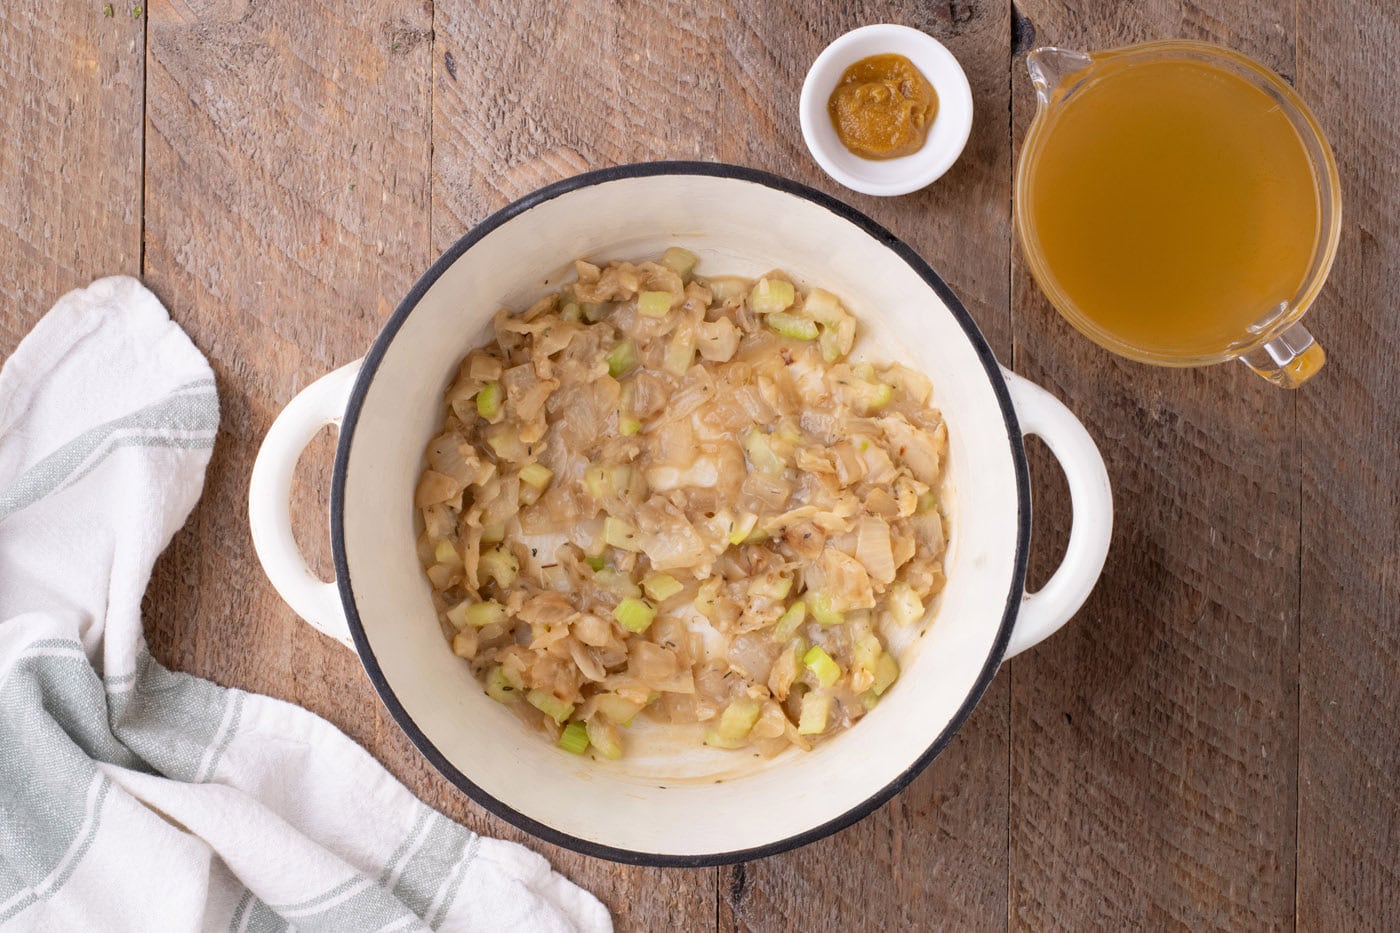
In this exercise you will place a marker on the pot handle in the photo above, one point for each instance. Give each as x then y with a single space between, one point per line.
1091 502
269 501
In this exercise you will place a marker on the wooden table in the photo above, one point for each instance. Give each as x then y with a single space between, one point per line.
1213 742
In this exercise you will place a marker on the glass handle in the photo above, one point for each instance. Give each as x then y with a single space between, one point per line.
1289 360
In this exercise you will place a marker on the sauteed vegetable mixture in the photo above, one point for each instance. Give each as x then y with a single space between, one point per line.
666 495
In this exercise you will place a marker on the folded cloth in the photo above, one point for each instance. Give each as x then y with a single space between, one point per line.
137 798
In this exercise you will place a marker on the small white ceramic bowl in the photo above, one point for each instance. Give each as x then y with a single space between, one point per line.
951 125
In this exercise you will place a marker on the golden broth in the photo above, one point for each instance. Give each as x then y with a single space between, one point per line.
1173 206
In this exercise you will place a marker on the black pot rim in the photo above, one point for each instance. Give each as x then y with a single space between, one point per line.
366 377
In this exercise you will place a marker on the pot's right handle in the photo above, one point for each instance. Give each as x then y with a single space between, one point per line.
269 501
1091 501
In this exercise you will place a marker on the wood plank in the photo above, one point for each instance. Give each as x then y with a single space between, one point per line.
936 855
71 85
1153 740
1348 441
287 179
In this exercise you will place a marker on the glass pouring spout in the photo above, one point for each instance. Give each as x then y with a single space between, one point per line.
1052 68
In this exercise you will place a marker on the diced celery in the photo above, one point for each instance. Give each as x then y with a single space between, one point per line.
770 296
869 700
499 687
536 474
872 396
464 644
621 535
823 307
571 312
735 724
680 261
771 585
823 611
550 705
574 738
654 304
485 613
628 425
886 670
446 553
493 534
815 710
621 358
634 614
739 717
488 401
789 622
742 527
603 736
760 452
595 563
790 325
928 502
616 708
661 586
821 664
904 603
594 311
497 564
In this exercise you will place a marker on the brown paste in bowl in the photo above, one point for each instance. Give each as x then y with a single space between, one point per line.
883 107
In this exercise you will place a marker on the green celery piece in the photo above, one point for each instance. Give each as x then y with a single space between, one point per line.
789 622
621 535
823 611
821 664
661 586
604 738
536 474
497 564
815 711
550 705
654 304
771 296
621 358
574 738
680 261
886 670
488 401
486 613
790 325
634 614
499 687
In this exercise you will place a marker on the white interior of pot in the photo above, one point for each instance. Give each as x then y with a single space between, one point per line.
668 796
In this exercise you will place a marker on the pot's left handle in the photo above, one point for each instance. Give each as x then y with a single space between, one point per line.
269 501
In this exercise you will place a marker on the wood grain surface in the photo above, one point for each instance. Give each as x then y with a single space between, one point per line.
1212 743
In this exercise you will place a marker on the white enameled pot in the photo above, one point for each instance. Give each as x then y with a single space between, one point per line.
668 802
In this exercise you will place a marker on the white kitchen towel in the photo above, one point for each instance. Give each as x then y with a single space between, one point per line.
136 798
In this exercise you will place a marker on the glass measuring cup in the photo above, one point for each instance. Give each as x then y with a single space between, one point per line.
1190 207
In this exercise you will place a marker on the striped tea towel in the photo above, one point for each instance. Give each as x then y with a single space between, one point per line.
136 798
